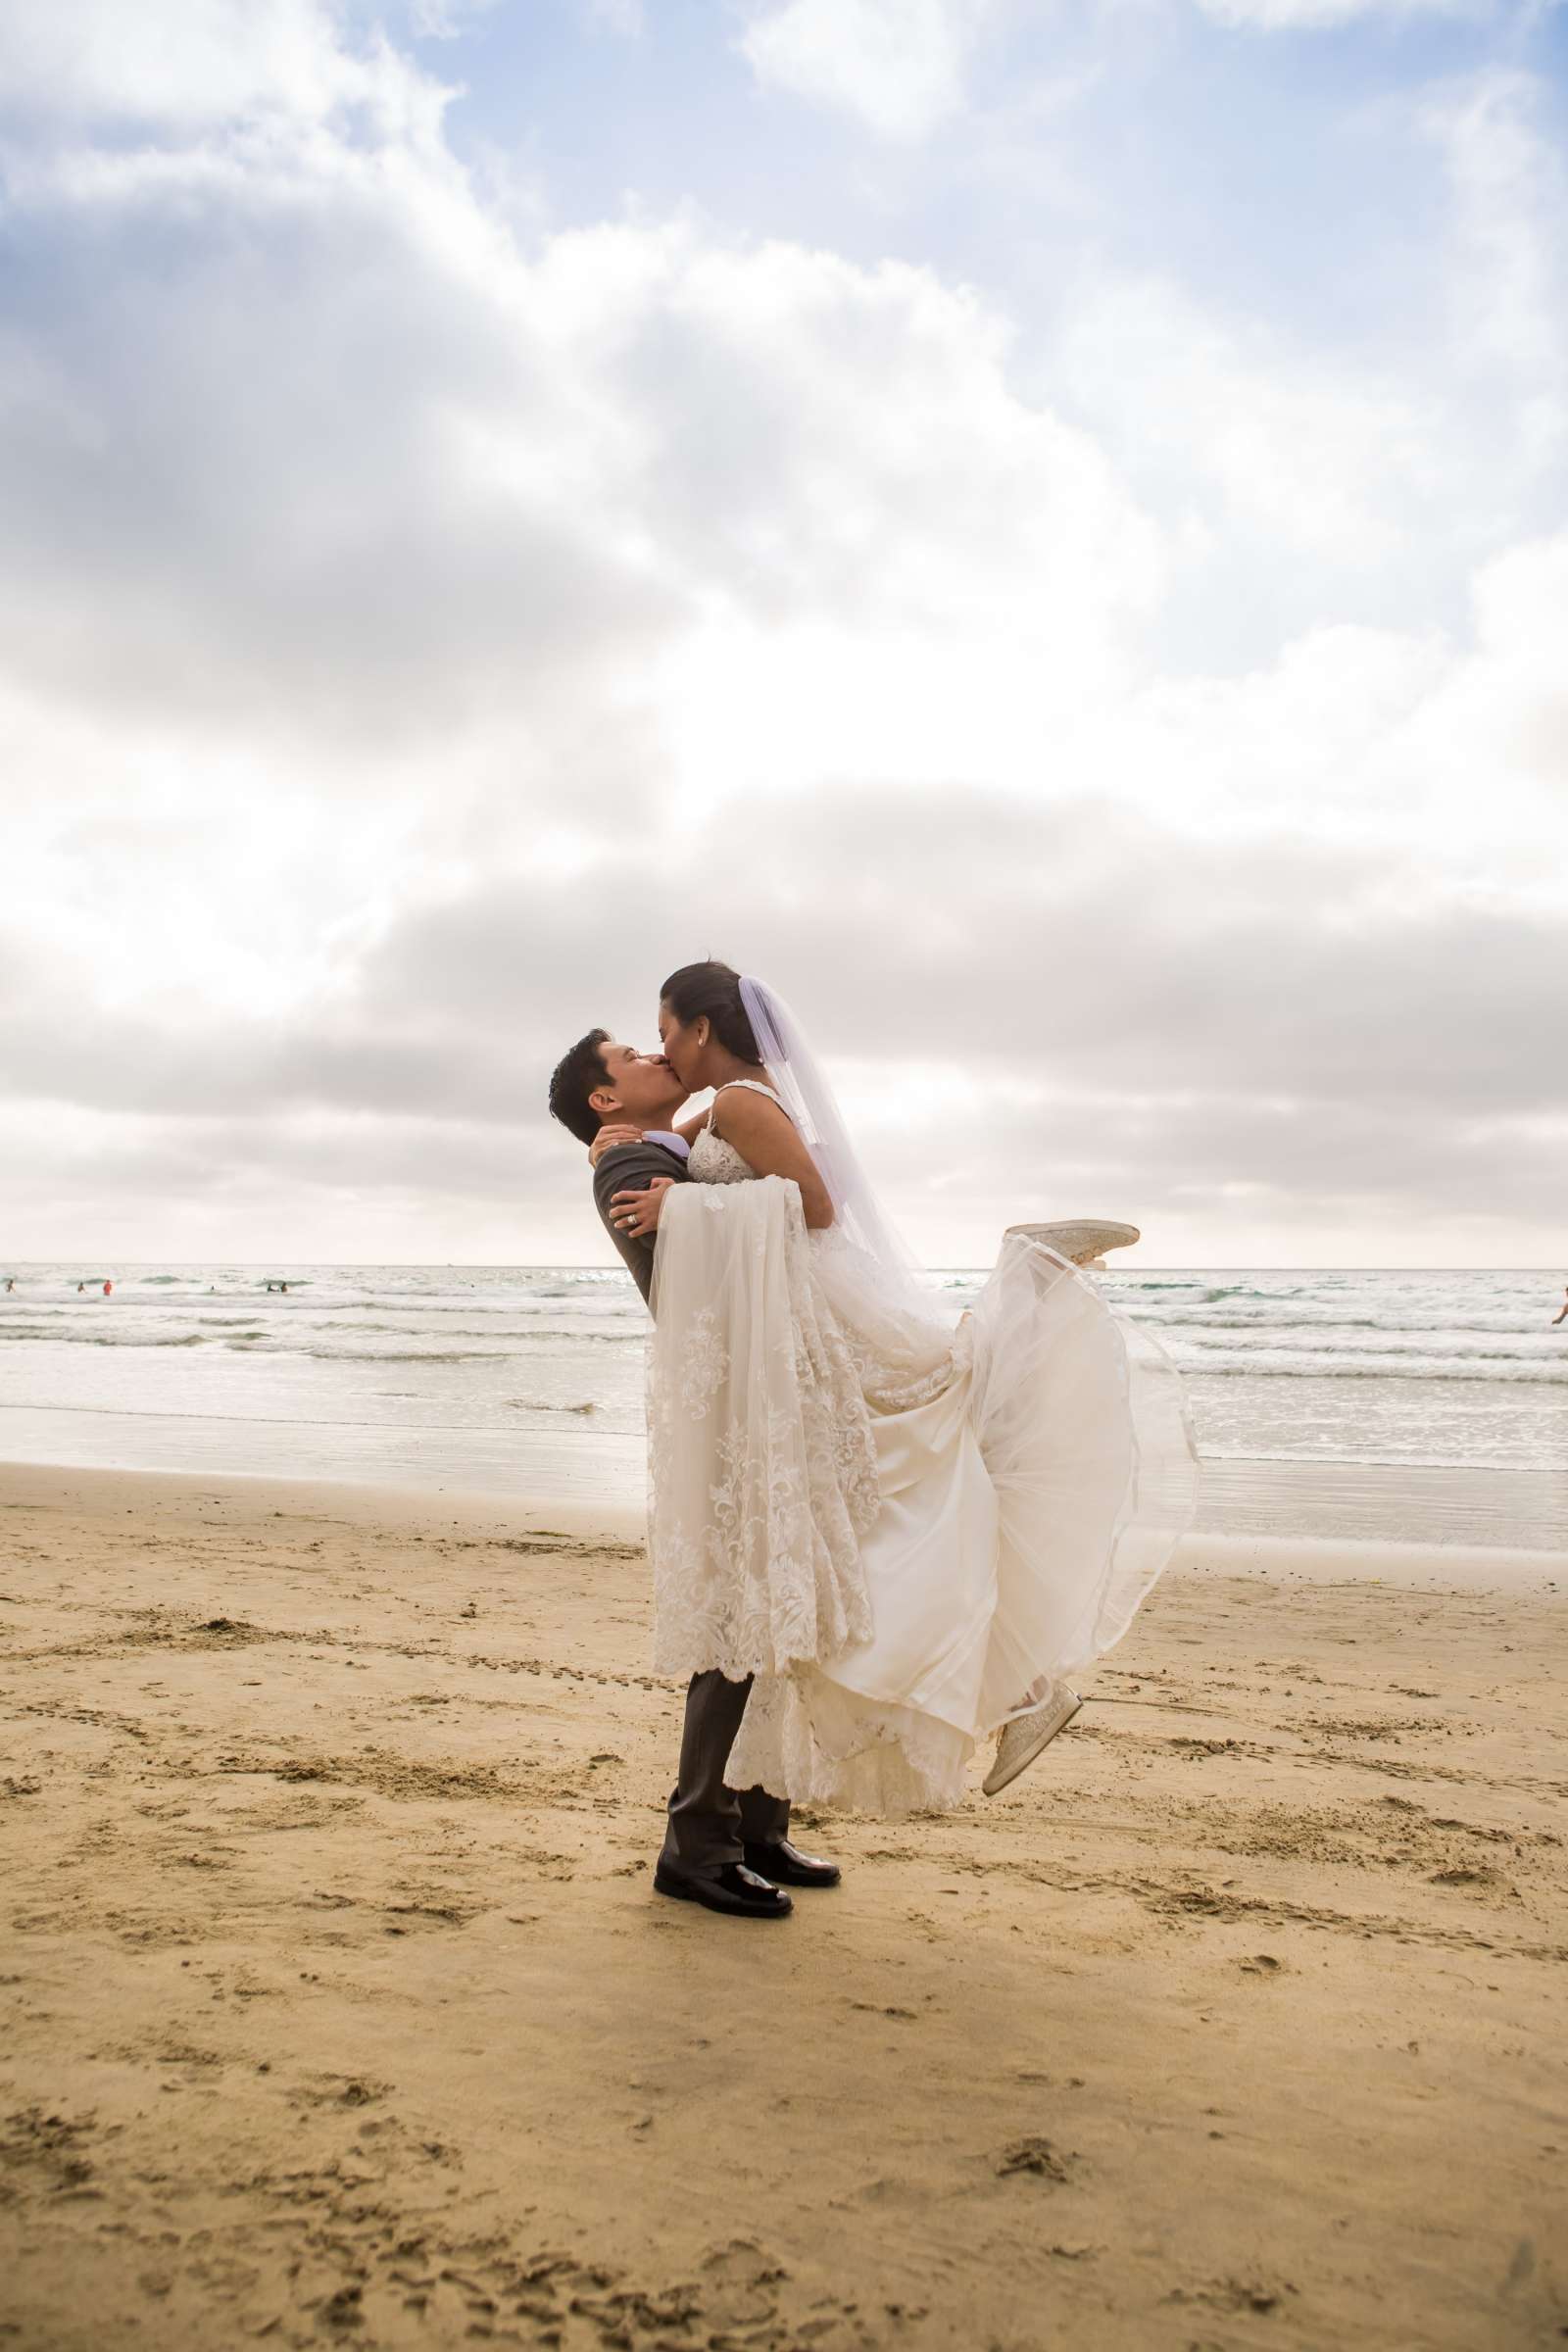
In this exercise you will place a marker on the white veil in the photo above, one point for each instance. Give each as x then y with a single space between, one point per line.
859 1219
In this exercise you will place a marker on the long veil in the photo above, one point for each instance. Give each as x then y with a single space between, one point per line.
860 1222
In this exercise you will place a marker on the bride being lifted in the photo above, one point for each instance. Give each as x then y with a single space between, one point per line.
911 1534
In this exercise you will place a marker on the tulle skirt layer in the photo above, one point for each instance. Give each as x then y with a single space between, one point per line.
1031 1496
1083 1426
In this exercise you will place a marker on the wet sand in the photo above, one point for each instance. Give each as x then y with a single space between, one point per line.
335 2006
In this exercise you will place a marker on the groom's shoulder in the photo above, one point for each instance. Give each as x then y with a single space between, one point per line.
669 1162
623 1163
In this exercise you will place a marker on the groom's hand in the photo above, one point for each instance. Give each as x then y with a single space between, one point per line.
607 1137
636 1214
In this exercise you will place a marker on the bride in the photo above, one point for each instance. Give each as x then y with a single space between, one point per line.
908 1534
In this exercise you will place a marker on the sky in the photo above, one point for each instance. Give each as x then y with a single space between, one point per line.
1037 526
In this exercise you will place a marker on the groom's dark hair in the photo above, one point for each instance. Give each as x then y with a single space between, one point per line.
713 988
577 1075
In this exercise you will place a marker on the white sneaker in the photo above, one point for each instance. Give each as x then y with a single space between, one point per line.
1022 1740
1080 1238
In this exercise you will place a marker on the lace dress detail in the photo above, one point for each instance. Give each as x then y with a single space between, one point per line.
761 1462
826 1353
761 1573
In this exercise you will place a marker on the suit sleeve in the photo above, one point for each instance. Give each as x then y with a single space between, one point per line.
631 1168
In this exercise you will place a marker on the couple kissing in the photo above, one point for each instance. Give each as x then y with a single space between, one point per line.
876 1537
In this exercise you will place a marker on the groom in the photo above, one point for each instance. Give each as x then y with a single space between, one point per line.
729 1852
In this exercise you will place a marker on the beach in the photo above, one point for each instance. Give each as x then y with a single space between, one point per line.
338 2007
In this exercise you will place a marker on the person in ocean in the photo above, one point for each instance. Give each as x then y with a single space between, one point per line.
1558 1317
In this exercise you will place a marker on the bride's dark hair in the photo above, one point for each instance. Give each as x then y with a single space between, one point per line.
714 989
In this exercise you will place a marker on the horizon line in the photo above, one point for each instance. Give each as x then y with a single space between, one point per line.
593 1266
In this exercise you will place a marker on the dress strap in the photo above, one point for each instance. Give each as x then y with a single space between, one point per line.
756 1087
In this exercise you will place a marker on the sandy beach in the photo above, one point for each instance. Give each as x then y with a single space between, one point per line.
337 2008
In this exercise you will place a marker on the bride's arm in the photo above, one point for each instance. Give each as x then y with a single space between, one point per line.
765 1136
609 1137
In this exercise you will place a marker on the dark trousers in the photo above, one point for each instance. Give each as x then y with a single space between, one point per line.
708 1822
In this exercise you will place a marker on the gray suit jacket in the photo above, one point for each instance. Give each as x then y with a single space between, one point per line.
631 1168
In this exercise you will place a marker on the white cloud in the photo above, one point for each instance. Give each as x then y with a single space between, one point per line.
896 65
445 20
1262 434
628 18
1509 288
1020 1000
186 62
1291 16
414 641
423 483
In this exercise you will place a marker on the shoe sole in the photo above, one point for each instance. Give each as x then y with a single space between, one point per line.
1081 1240
991 1786
806 1886
686 1894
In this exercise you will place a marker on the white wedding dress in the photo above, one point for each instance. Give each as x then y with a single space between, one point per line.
899 1529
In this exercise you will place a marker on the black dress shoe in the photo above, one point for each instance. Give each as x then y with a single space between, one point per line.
787 1866
736 1891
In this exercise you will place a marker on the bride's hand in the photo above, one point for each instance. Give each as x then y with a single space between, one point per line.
607 1137
636 1214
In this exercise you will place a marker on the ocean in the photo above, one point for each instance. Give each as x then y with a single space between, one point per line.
1425 1404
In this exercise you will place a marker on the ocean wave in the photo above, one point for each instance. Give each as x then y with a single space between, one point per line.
192 1282
401 1330
1526 1375
1427 1325
104 1338
1195 1296
1430 1352
347 1313
204 1307
405 1355
289 1344
302 1420
594 1339
1260 1327
261 1339
410 1327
